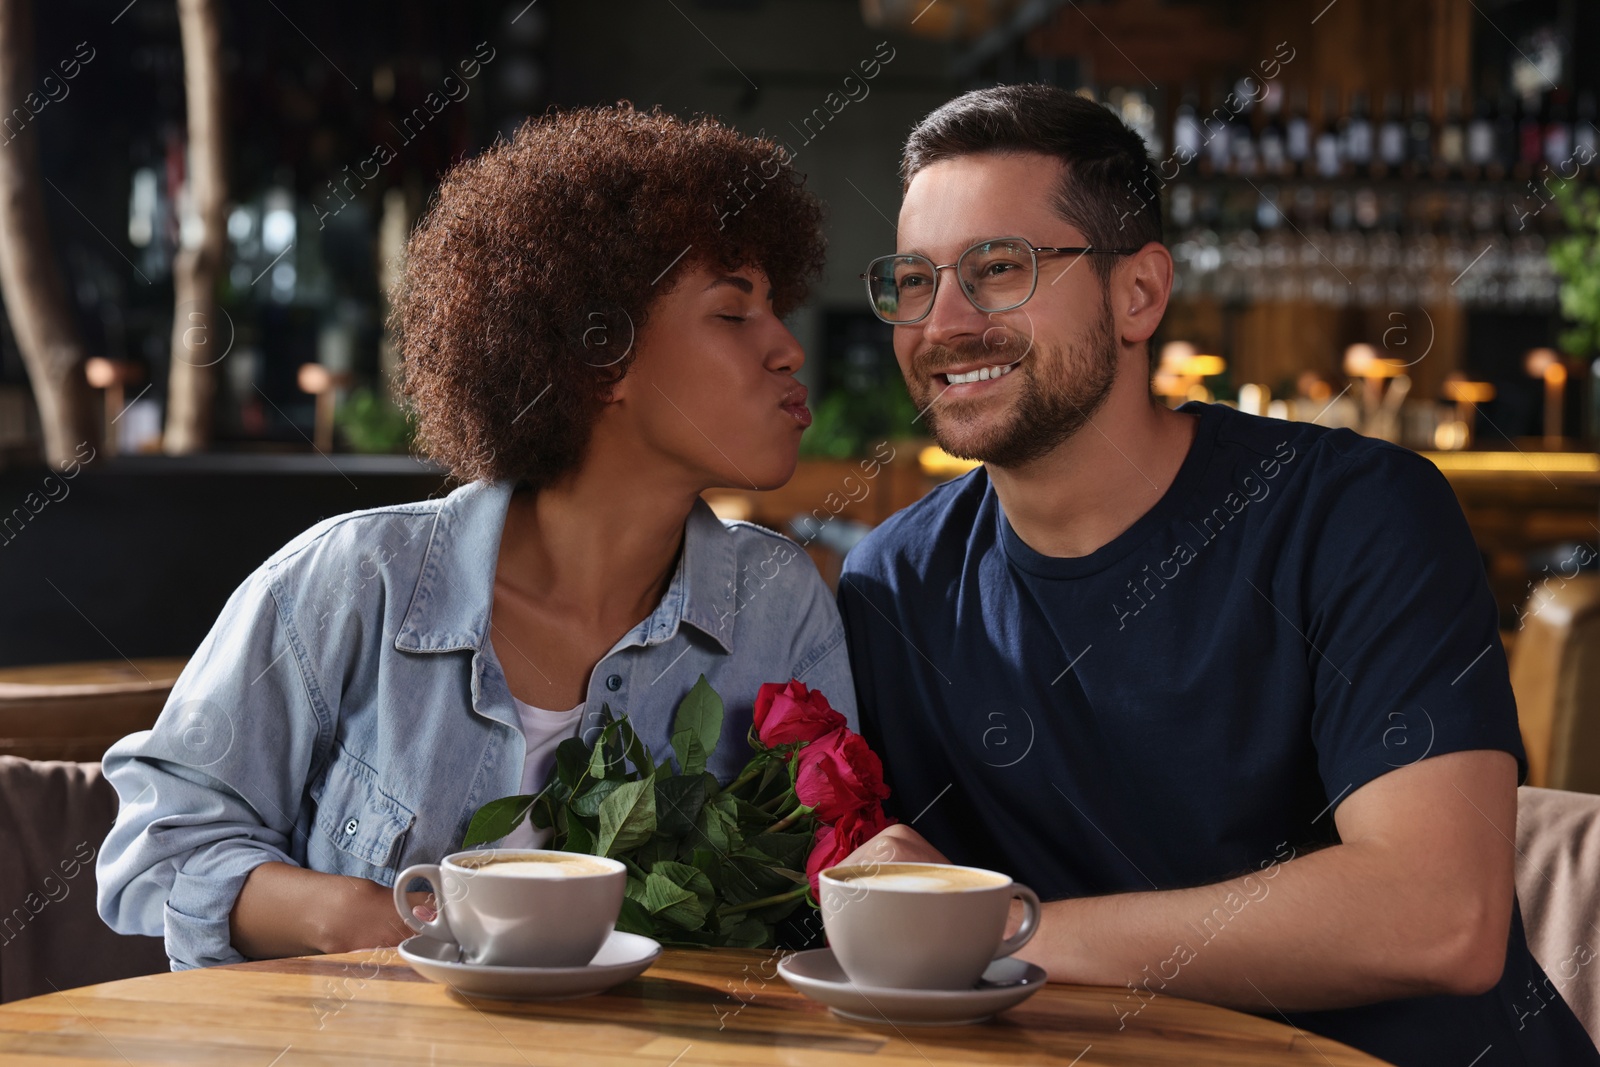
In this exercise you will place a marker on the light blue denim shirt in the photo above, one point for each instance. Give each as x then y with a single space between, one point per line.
347 712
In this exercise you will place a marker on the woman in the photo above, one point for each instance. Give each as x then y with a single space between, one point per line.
591 327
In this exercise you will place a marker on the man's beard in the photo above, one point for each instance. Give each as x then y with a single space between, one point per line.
1059 392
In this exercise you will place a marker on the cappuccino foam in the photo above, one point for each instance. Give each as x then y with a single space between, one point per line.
538 866
918 879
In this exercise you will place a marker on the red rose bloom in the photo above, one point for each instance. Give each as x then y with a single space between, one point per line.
834 843
790 712
839 774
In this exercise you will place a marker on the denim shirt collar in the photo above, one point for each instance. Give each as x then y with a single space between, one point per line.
450 606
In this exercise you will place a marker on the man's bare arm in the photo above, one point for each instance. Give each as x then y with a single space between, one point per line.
1415 900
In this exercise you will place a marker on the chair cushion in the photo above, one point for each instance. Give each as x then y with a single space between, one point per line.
1558 873
53 817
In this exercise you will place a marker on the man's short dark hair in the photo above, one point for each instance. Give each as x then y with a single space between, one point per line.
1109 190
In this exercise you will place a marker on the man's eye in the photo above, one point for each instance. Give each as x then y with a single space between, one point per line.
731 318
912 281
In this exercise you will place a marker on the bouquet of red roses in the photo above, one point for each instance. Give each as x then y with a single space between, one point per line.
710 864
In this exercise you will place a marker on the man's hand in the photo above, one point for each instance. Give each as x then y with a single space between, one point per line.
898 844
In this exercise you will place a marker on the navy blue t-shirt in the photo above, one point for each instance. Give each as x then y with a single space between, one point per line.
1302 611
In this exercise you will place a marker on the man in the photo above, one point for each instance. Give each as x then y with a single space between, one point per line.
1228 692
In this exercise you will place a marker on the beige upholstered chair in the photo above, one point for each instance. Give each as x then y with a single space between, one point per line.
53 818
1555 673
1558 878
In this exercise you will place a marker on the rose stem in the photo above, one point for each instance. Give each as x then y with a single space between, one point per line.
779 898
785 822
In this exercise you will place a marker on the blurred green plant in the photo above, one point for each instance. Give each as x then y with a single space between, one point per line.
371 422
848 422
1576 259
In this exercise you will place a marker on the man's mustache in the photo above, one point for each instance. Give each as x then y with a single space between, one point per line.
941 358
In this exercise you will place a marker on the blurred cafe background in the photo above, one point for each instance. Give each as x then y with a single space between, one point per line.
1385 216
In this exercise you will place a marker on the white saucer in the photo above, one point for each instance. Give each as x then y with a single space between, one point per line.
1005 984
623 956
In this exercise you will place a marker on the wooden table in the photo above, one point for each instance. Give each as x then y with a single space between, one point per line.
74 711
721 1007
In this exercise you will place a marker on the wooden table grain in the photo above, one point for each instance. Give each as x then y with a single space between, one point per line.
719 1007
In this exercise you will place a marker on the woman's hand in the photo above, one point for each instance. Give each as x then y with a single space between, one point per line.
369 920
284 910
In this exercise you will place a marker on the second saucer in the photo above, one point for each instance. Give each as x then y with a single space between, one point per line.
1005 984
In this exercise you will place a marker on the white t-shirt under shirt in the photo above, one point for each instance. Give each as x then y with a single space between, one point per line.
544 730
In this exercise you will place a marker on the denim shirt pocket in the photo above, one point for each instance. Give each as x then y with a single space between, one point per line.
361 828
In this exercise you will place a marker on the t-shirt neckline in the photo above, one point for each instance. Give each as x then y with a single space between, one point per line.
1189 475
547 718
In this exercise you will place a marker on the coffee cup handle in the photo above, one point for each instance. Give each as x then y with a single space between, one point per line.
1030 922
439 929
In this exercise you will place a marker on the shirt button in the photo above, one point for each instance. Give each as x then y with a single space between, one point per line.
614 682
350 827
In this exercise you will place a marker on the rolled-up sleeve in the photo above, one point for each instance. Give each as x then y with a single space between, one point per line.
216 788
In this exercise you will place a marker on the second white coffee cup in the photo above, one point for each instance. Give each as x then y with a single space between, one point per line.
519 907
921 925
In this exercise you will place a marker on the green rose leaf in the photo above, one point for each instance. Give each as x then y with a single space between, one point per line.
751 933
706 861
682 874
572 759
679 894
496 819
753 819
606 759
578 838
692 755
679 799
718 824
658 848
627 817
745 880
781 850
696 727
633 749
587 802
633 888
635 918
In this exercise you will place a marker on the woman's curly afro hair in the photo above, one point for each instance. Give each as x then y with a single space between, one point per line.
535 267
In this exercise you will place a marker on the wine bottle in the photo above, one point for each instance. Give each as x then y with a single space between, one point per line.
1505 137
1329 152
1419 134
1356 135
1480 139
1391 135
1188 139
1558 132
1297 138
1530 136
1272 144
1585 137
1452 152
1241 141
1216 128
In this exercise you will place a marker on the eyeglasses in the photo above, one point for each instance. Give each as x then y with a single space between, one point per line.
996 275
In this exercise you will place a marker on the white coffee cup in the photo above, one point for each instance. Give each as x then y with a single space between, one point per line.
921 925
519 907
